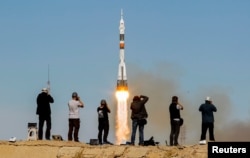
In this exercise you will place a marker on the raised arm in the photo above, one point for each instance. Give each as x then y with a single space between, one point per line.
81 103
181 106
144 98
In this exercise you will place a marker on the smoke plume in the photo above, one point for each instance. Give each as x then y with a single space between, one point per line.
160 84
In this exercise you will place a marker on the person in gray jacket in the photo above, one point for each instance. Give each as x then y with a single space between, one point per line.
207 110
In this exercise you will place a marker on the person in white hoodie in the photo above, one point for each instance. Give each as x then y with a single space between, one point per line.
74 119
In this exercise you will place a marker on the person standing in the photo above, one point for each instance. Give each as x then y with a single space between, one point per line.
138 116
74 120
43 110
207 110
103 122
175 120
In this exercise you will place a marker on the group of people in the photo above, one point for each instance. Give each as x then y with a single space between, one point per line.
176 121
138 116
44 112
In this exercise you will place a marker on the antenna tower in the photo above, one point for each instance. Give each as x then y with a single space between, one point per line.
48 82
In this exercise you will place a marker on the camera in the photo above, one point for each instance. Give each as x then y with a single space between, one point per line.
77 98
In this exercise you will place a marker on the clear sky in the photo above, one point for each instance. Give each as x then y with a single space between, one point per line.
192 48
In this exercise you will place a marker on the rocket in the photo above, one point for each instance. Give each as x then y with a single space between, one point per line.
122 76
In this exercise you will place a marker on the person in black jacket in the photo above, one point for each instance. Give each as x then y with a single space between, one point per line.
103 122
138 116
43 110
175 117
207 110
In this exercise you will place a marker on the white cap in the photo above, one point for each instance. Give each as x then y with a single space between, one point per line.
45 90
208 99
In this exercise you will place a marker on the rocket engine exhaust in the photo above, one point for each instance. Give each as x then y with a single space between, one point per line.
122 130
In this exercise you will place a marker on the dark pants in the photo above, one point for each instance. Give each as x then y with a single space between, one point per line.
103 126
42 119
175 130
135 124
204 127
74 126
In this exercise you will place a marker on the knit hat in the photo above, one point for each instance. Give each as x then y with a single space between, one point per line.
74 94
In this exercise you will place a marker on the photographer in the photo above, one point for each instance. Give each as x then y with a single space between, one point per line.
74 119
175 120
43 110
103 122
138 116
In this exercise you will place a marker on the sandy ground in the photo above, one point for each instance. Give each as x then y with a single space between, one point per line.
65 149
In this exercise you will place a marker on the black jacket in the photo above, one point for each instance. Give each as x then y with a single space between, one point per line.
207 110
142 113
43 104
174 112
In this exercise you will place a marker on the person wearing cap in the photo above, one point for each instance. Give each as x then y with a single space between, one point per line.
43 110
103 122
207 110
138 116
175 120
74 119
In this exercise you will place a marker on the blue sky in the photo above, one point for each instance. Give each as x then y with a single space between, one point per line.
194 48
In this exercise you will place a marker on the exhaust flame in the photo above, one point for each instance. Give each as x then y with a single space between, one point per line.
122 129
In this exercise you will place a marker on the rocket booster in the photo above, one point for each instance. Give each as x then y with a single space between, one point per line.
122 76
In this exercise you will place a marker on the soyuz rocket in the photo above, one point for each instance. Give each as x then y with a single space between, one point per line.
122 76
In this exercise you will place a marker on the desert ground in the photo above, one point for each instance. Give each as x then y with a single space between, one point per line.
66 149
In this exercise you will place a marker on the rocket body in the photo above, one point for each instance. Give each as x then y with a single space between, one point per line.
122 75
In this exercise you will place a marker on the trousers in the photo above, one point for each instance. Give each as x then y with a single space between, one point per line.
74 126
175 130
103 127
135 124
42 119
210 127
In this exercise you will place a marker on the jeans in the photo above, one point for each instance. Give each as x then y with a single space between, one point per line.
42 119
175 130
204 127
141 132
103 126
74 125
